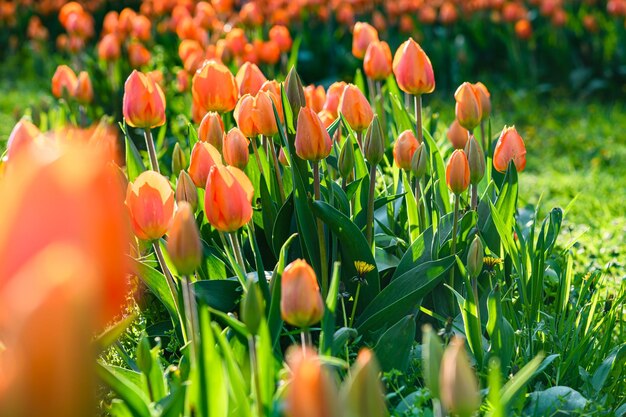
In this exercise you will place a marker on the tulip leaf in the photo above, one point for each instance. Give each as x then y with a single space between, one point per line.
438 167
134 164
394 346
402 295
418 253
128 391
220 294
156 282
275 321
282 225
110 335
411 208
353 248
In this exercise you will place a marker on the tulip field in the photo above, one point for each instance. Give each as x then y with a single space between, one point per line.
312 208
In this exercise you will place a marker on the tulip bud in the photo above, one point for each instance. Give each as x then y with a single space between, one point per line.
432 351
374 145
468 111
475 257
476 160
333 97
64 82
179 160
485 100
228 198
22 135
363 35
211 130
236 149
510 147
457 172
294 91
312 140
419 162
252 307
203 157
362 393
249 79
377 61
186 190
214 87
84 90
144 102
280 34
404 148
457 381
413 70
315 97
355 108
282 158
150 203
301 303
458 135
311 390
255 115
346 159
183 243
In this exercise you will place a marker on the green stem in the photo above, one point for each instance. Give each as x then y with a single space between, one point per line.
154 161
192 318
369 225
234 241
359 139
256 156
241 275
356 301
255 371
486 146
371 90
420 210
320 230
453 247
474 196
418 117
279 180
170 283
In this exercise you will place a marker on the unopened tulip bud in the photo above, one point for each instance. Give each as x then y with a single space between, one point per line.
413 70
228 198
346 159
468 111
22 135
419 162
432 351
404 148
179 160
362 393
363 35
84 90
458 135
510 147
186 190
312 140
301 303
64 82
355 108
203 157
333 96
475 257
183 243
457 381
212 130
458 172
377 61
236 149
144 102
476 160
294 91
485 100
150 203
252 307
374 144
249 79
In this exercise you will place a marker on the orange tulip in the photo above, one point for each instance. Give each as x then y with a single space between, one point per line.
273 88
109 47
64 82
510 147
138 55
311 392
355 108
211 130
301 302
404 148
22 135
228 198
413 70
327 118
84 90
362 36
315 97
144 101
523 29
377 61
236 149
362 393
333 96
280 35
485 100
457 381
255 115
150 203
183 243
312 140
249 79
468 110
203 157
458 172
458 135
214 88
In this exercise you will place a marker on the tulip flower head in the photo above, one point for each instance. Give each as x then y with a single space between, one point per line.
476 160
150 203
211 130
183 243
22 135
186 190
333 97
404 148
214 88
236 149
377 60
510 147
468 110
228 198
315 97
255 115
144 101
485 100
413 70
64 82
312 140
301 302
457 135
362 36
457 381
458 172
84 90
363 394
355 108
203 157
249 79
